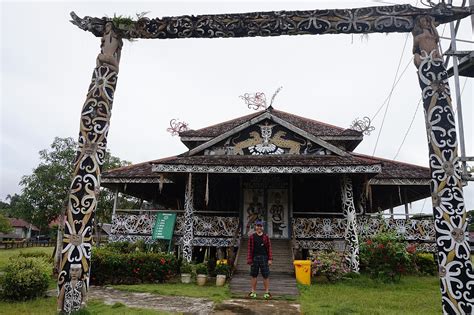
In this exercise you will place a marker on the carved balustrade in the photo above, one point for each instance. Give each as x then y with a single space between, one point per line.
207 230
317 233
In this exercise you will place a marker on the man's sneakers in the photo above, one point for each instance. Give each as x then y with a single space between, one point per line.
266 295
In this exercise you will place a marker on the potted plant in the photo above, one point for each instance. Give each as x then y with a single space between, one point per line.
186 271
201 274
222 271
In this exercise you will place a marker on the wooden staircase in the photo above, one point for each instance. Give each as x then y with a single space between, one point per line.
282 278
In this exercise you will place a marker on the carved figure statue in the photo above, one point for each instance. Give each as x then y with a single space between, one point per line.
110 48
72 296
425 39
277 213
254 212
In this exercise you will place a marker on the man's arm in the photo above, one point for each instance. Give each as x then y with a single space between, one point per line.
270 255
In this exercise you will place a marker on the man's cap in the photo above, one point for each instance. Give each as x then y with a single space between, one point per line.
259 222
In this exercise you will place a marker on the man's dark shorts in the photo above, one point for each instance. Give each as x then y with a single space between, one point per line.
260 263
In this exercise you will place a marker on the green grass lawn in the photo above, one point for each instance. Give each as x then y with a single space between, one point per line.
6 254
209 291
412 295
42 306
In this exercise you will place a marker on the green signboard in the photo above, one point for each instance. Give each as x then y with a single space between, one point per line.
164 226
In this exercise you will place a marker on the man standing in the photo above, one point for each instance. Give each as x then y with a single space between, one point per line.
259 256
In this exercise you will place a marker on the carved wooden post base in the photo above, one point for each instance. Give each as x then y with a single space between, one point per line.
350 234
188 219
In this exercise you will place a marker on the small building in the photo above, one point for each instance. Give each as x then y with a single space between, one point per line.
21 230
301 176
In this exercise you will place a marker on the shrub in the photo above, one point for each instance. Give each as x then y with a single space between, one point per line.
330 265
201 269
425 264
25 278
110 267
186 267
44 256
222 269
384 256
118 247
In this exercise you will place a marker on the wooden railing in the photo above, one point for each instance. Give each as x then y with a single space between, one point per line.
23 244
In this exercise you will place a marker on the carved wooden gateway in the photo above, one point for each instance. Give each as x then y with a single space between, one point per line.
295 159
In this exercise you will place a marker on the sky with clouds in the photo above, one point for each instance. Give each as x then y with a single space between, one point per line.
47 63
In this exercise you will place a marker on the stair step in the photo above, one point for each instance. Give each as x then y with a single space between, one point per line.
282 274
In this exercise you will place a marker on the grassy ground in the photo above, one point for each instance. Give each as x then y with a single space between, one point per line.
6 254
44 306
209 291
412 295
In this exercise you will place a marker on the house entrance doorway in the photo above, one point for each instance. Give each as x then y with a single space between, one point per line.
269 205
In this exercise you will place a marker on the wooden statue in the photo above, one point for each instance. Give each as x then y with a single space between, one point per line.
425 39
110 48
72 296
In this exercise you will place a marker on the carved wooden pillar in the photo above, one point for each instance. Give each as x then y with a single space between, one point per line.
188 219
350 234
73 280
455 268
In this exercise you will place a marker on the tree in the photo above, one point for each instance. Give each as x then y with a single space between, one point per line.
45 192
5 226
17 207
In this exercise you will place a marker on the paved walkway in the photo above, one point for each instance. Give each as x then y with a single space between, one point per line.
177 304
197 306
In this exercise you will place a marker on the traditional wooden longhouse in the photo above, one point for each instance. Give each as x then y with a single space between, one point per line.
299 175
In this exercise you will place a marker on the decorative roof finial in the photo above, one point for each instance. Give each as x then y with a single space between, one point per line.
258 100
362 125
176 127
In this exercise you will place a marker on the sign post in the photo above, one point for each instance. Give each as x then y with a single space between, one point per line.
164 227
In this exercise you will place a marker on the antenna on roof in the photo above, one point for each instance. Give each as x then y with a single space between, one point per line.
362 125
258 100
275 94
177 126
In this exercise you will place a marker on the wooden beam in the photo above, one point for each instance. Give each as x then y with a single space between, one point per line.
381 19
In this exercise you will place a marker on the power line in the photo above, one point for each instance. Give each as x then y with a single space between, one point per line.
408 130
390 94
416 110
396 83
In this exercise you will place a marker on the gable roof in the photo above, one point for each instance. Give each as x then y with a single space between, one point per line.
394 169
267 114
20 223
311 126
391 170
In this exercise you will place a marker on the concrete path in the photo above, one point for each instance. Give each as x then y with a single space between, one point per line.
193 306
175 304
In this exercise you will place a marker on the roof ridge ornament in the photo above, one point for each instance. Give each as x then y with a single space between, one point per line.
362 125
176 127
258 100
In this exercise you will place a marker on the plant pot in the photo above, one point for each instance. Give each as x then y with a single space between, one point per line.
185 278
201 279
220 280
